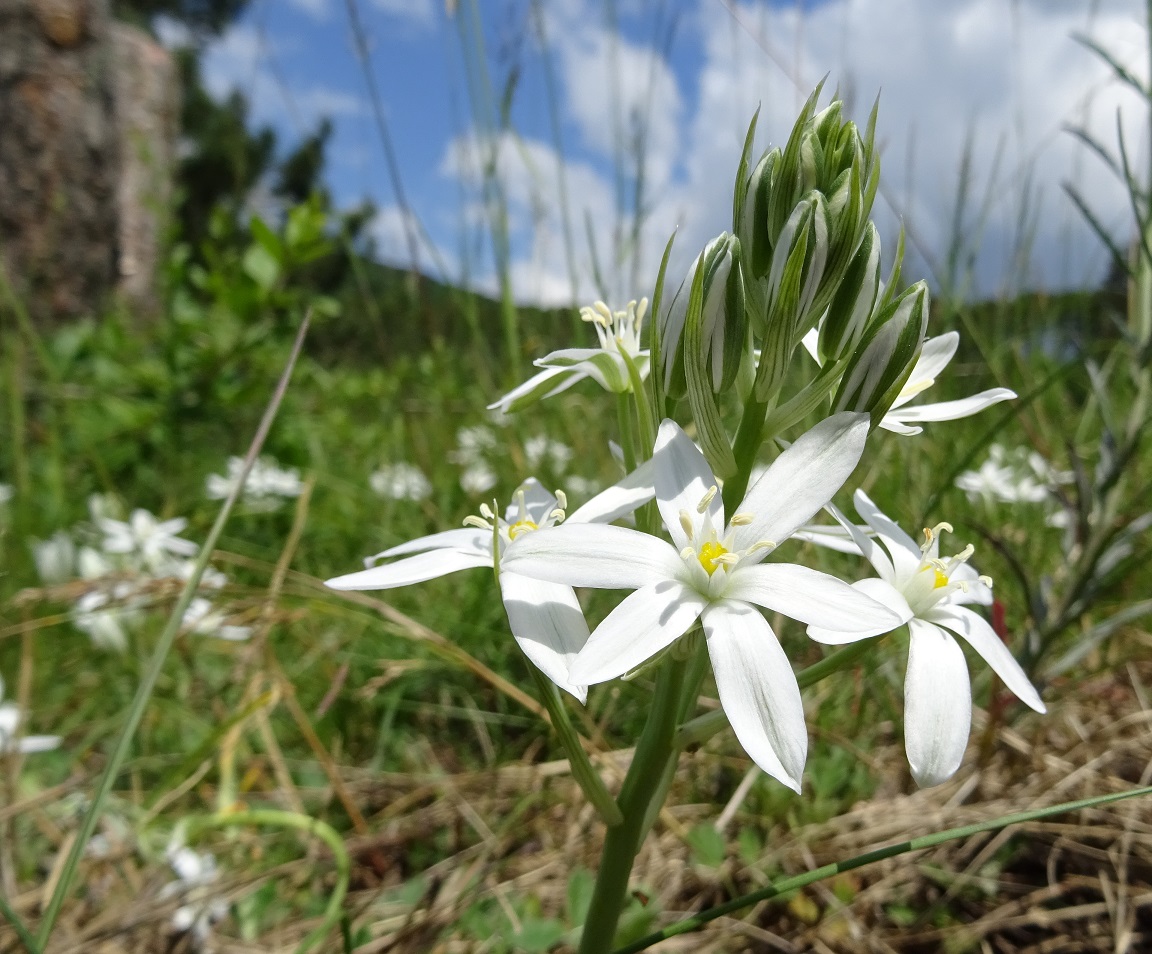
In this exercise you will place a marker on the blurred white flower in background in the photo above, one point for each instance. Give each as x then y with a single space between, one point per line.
541 450
154 542
55 558
195 872
204 619
10 721
478 478
1012 476
472 445
267 487
6 493
400 481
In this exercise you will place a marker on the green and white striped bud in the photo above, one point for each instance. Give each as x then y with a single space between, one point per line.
789 290
851 307
718 327
885 358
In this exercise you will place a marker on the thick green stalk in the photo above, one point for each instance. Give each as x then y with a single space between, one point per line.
749 437
627 431
643 782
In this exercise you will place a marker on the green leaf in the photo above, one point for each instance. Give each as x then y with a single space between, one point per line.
538 934
261 267
266 238
708 845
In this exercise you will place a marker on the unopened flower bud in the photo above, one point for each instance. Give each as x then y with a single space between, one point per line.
716 330
847 317
885 358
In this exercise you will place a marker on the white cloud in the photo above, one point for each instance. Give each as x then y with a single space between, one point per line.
241 60
948 72
623 96
989 75
417 13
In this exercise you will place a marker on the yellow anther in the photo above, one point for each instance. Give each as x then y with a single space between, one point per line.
706 499
711 555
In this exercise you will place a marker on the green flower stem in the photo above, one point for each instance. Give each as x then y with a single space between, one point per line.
627 431
654 751
313 826
582 769
702 728
163 646
643 407
749 437
889 851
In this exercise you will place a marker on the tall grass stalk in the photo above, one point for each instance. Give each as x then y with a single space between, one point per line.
160 654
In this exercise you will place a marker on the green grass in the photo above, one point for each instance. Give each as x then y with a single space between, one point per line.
147 416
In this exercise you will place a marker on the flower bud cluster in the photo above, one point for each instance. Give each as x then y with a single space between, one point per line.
802 265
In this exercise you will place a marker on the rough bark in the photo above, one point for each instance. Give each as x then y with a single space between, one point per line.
87 133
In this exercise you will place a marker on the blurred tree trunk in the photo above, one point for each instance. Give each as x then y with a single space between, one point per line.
80 217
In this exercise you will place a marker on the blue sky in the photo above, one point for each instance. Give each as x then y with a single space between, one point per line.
998 78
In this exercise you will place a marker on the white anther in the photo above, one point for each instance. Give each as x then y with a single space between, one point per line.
706 499
686 523
741 519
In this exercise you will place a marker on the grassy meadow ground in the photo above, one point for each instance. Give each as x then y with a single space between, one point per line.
406 720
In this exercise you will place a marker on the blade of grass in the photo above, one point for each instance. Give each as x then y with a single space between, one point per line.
889 851
156 663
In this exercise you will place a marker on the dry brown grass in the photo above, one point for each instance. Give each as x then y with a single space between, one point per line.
1080 883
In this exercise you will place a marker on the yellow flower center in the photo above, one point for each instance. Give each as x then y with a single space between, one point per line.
521 526
941 579
709 553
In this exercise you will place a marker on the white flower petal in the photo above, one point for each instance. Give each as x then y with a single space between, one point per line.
540 386
32 744
466 540
620 499
902 548
591 554
538 502
889 423
934 358
549 625
802 479
682 478
982 637
937 704
865 545
757 689
951 410
646 621
811 597
883 593
413 569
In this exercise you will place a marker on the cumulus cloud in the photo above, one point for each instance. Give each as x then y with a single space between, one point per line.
976 75
529 174
242 60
